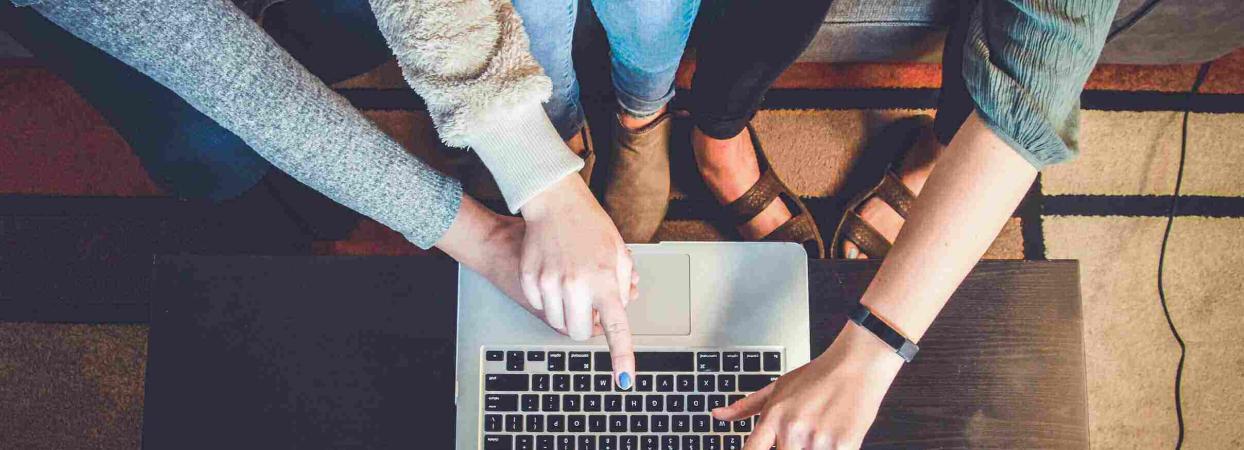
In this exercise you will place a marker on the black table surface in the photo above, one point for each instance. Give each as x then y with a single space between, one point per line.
358 352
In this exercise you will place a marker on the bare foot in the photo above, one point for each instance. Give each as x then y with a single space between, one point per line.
729 168
913 172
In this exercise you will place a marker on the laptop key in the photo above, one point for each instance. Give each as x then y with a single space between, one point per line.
513 423
660 424
732 442
596 423
690 443
531 402
628 442
602 383
555 423
675 403
669 443
721 426
514 361
533 356
501 402
506 382
773 362
680 423
591 403
571 403
557 361
565 442
648 362
643 383
665 383
580 361
753 383
731 399
602 362
582 383
708 362
649 442
499 442
587 443
576 423
700 423
654 403
731 362
685 383
561 383
613 403
725 383
540 382
550 403
494 355
617 423
492 422
634 403
743 425
706 383
711 442
695 403
524 442
544 442
716 401
608 443
639 424
535 423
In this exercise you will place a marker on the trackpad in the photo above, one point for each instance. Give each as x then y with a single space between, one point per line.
664 304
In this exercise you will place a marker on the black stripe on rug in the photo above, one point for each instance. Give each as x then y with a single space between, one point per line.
780 99
1142 205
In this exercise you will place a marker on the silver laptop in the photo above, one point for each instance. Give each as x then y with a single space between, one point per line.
713 322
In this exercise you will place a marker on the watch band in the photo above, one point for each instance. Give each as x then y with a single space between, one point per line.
864 317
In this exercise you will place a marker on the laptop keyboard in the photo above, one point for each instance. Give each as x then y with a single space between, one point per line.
549 398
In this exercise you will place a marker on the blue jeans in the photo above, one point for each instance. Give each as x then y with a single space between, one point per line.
646 41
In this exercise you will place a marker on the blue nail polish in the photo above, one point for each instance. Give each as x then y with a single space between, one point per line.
624 381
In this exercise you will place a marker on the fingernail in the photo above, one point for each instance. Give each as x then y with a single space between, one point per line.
853 252
624 381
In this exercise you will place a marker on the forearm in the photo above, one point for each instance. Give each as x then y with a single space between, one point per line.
223 64
969 196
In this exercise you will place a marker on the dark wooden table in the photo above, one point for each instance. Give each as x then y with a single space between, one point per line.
341 352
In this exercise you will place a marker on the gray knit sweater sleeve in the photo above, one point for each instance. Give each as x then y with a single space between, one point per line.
1025 63
223 64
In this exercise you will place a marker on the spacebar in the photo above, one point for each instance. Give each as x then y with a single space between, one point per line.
664 362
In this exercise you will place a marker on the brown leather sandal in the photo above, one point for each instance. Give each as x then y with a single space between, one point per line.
801 228
896 139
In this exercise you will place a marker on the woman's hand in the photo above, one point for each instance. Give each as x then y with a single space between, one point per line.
827 404
575 265
491 245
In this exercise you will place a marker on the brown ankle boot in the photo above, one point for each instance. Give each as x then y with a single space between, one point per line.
637 194
588 155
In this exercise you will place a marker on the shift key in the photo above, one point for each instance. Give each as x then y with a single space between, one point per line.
506 382
753 383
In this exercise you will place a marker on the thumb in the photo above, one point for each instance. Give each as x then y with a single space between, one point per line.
747 407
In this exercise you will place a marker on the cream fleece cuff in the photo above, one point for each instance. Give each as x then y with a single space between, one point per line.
524 153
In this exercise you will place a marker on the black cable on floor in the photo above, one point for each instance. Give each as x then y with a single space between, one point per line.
1170 220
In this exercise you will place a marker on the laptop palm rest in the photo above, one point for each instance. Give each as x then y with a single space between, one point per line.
664 304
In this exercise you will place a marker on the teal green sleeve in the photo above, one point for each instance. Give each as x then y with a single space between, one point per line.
1025 64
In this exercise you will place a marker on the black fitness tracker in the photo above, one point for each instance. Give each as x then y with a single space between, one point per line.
864 317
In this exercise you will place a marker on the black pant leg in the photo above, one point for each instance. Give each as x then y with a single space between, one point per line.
954 103
741 54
